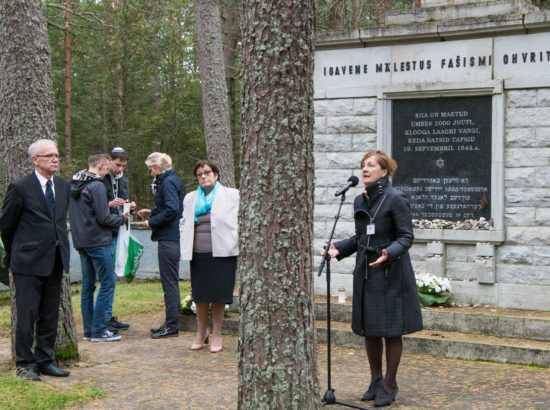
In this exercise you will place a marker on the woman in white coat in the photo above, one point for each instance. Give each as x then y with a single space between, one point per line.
209 240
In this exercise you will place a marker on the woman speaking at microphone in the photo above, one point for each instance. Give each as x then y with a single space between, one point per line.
385 298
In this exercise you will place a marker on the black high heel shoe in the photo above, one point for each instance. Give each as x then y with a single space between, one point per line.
385 399
374 386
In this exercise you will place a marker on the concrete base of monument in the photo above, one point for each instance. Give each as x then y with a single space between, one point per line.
492 334
500 295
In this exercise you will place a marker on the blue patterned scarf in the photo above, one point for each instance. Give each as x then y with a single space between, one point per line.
203 203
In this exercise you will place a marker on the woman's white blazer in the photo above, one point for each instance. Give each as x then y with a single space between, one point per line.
223 219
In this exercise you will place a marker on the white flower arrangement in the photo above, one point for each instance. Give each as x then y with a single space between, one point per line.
432 289
189 308
188 305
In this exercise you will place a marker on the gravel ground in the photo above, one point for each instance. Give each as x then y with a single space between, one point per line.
141 373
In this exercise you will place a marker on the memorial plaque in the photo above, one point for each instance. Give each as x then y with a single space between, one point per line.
443 151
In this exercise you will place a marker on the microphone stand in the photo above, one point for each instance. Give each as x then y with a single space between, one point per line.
329 397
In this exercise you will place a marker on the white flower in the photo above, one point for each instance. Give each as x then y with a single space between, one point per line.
428 283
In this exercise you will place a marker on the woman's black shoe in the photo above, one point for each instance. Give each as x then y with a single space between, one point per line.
374 386
385 399
165 332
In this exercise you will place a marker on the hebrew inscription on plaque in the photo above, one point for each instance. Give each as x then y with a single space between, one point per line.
443 151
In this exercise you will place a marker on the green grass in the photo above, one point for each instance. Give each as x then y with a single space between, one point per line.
5 318
140 297
16 393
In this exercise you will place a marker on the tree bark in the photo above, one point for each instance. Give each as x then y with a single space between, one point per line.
356 12
277 352
26 103
385 6
215 106
68 132
26 96
231 13
338 17
66 344
120 118
154 60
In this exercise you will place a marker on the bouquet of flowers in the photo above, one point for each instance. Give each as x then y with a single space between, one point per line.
188 305
432 289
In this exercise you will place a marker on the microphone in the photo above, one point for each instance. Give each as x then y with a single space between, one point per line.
352 181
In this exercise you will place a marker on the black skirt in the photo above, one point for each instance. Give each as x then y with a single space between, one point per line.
213 279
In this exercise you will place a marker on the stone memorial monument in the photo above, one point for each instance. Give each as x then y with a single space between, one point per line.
459 95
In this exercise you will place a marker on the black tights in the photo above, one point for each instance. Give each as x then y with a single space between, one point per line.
375 348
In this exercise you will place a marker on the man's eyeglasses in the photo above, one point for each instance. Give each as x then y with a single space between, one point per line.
204 173
48 156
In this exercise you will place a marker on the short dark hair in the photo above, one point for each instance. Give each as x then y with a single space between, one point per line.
206 162
95 159
119 153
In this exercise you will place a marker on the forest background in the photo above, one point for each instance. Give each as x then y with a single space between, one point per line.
135 81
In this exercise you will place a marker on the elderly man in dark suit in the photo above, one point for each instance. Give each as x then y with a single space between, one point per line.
33 227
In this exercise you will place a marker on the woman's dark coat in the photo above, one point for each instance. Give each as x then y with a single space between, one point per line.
385 298
165 216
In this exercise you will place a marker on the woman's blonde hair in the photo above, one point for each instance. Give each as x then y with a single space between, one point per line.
159 159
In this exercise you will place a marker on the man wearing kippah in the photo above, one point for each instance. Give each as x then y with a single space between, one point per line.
117 195
91 224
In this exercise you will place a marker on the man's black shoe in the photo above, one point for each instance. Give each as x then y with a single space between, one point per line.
113 322
158 329
111 329
165 332
27 373
51 370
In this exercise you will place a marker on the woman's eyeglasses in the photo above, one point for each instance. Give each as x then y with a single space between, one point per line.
204 173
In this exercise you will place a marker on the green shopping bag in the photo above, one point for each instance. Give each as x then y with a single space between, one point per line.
135 250
128 253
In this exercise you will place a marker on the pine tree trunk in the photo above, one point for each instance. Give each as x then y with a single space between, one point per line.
277 352
66 344
26 96
26 105
385 6
231 13
119 70
154 60
338 18
215 106
68 130
356 13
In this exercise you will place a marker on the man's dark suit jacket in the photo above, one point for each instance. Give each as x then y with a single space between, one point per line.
27 229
